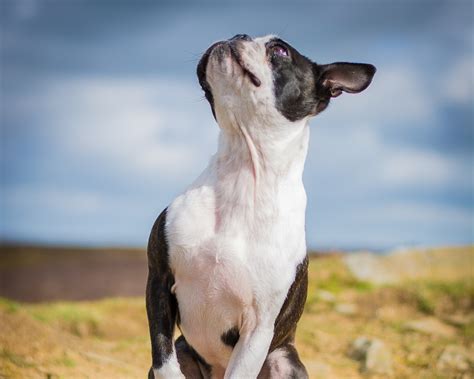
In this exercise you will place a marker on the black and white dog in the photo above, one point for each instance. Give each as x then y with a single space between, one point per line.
227 258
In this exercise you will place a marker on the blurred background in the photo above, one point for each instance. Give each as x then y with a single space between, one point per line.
103 123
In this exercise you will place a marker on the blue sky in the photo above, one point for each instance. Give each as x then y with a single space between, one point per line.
103 122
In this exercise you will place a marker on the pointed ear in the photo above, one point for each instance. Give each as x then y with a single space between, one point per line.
347 77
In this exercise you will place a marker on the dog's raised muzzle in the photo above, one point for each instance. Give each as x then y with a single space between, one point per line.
243 37
234 51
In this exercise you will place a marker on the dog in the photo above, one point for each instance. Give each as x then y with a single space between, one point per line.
227 258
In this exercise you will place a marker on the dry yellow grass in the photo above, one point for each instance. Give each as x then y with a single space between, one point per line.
446 264
109 338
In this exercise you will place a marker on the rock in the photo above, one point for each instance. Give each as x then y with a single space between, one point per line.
431 326
370 267
379 359
454 357
394 313
318 370
373 354
346 309
458 320
326 296
358 348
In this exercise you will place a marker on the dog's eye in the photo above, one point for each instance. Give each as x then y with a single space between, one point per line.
280 51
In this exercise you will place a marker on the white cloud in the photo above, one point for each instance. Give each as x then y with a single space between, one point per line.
352 140
366 160
423 213
459 82
407 167
362 185
140 127
390 223
73 202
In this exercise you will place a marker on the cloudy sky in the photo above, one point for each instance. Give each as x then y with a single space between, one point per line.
103 122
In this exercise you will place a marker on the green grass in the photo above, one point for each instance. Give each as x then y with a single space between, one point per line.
65 361
9 306
330 274
76 318
336 284
436 296
16 359
431 296
468 330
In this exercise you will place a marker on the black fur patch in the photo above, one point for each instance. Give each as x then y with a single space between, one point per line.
304 88
161 304
289 358
299 371
294 82
192 365
292 309
290 313
231 337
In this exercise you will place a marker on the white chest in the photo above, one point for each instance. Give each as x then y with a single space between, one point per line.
228 261
236 237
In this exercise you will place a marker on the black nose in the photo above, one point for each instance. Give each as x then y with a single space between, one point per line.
244 37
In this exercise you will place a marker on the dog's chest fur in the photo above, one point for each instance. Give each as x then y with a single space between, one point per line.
235 239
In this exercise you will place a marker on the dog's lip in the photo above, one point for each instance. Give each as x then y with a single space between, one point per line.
234 54
201 74
201 68
238 59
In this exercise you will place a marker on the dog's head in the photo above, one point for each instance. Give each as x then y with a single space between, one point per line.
267 80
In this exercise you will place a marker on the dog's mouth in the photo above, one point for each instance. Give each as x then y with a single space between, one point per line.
235 55
238 59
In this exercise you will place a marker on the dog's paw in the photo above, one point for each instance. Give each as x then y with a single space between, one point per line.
166 372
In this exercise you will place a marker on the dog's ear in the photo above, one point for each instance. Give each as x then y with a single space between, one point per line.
347 77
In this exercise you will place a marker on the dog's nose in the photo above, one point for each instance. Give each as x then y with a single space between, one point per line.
244 37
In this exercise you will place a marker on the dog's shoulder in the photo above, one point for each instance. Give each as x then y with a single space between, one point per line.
191 217
157 250
184 222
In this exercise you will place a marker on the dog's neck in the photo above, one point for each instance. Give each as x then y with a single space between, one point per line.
251 167
275 151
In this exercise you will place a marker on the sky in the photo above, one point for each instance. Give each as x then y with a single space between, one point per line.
103 122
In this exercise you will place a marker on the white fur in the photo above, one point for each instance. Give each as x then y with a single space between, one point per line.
170 369
280 367
237 234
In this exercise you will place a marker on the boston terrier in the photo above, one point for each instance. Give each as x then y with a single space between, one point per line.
227 258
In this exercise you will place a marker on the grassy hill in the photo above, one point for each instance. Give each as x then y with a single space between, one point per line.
109 338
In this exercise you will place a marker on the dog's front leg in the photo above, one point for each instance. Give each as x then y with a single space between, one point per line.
161 306
251 350
161 311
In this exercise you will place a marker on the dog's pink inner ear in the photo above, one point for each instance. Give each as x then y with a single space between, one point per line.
347 77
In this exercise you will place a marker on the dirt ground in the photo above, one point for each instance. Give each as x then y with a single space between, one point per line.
108 338
32 274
